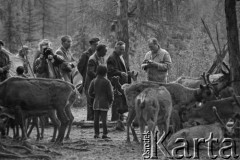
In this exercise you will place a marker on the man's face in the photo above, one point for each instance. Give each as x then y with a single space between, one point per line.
67 44
153 47
94 46
44 46
120 49
103 52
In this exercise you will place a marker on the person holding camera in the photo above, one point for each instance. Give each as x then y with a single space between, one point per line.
66 68
39 63
157 62
46 64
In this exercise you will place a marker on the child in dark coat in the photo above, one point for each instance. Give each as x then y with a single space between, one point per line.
101 90
20 72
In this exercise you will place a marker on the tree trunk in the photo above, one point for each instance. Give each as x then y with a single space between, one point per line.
233 43
122 33
66 17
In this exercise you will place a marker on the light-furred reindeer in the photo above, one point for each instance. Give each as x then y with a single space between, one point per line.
153 108
180 96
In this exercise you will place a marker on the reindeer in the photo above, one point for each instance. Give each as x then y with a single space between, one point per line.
34 96
201 131
226 108
218 82
180 96
217 128
153 107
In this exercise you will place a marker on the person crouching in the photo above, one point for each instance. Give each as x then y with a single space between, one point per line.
101 90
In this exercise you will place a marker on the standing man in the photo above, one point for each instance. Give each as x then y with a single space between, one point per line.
5 63
66 68
116 67
94 61
157 62
83 61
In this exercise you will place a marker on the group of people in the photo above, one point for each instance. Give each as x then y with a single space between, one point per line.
96 73
97 78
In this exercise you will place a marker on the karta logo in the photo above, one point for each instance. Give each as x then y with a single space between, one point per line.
182 148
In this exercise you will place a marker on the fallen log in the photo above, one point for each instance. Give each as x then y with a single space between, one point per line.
89 124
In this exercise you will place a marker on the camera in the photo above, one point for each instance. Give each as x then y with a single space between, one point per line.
147 61
72 65
47 52
145 64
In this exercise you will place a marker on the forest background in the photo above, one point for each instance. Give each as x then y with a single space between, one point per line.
175 23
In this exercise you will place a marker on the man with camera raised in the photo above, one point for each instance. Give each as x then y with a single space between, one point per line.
66 68
45 63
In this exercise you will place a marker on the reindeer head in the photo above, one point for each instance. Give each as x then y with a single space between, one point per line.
204 93
133 75
222 82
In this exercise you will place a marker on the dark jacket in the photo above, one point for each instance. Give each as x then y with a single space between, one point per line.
101 90
115 67
82 63
93 62
35 57
45 69
5 64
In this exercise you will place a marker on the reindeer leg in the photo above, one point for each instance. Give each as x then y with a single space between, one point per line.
16 136
32 126
42 126
135 138
64 122
142 129
71 118
131 116
69 113
56 123
19 115
37 127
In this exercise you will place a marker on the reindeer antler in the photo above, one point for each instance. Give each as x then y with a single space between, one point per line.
204 78
226 66
217 115
234 96
208 79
